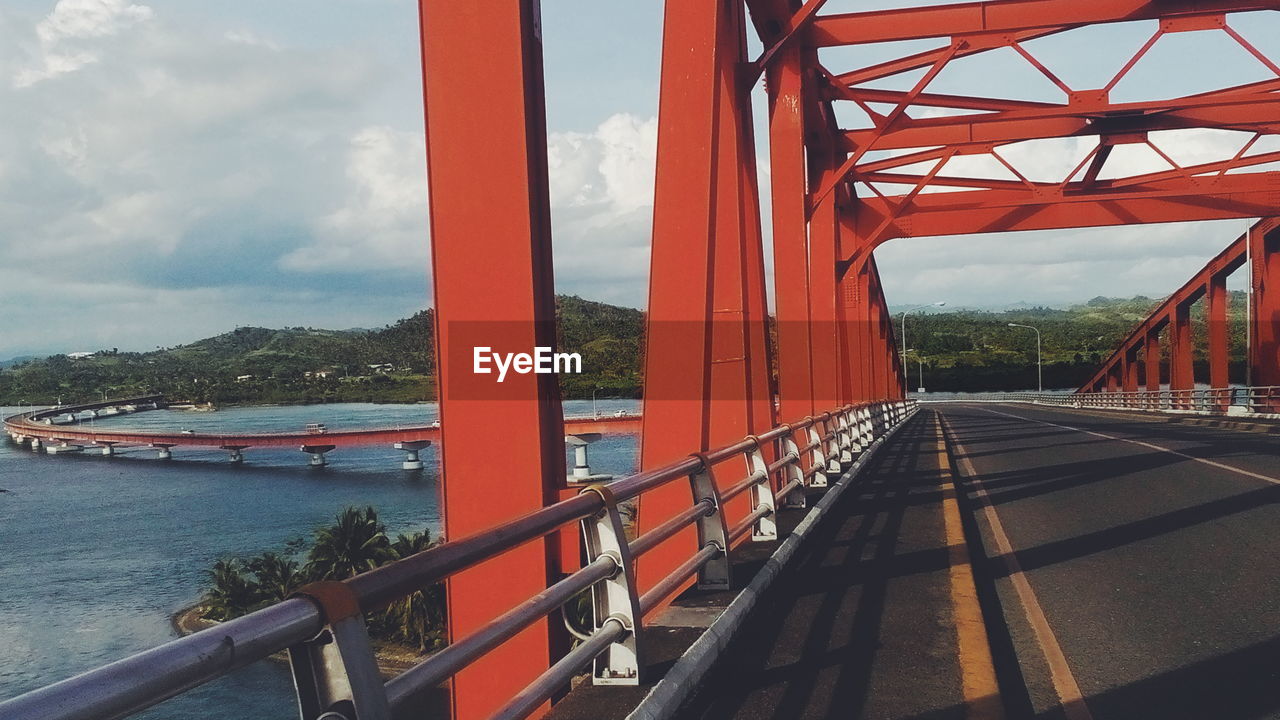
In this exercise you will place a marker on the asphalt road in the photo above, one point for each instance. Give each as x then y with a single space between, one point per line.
1151 553
1124 569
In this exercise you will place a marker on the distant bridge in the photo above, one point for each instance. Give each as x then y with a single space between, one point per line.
38 430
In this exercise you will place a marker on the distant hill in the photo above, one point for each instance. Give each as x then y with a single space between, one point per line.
962 350
972 350
16 361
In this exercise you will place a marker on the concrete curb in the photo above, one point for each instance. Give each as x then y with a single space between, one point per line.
665 699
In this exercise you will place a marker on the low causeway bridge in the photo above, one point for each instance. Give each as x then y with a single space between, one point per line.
62 429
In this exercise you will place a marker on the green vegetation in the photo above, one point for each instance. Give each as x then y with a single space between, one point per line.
355 543
306 365
974 351
963 350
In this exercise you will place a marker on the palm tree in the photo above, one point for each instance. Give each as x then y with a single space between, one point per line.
419 617
233 593
277 575
406 545
356 543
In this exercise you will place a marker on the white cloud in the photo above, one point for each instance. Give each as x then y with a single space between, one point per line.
602 208
66 35
383 223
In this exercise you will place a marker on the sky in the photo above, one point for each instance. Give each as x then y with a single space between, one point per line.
172 169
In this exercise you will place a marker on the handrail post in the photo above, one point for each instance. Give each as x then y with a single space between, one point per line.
712 528
831 443
766 528
844 423
615 597
858 430
813 438
335 673
792 472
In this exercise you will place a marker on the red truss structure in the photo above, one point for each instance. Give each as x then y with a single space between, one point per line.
1136 363
858 155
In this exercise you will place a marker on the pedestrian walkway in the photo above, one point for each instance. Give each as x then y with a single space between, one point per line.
878 617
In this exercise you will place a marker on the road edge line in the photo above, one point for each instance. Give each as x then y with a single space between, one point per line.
979 683
1070 698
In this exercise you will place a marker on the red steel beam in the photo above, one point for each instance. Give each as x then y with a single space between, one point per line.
1247 195
1264 258
1219 336
788 174
1151 358
499 127
1005 17
1214 272
740 400
1254 113
682 267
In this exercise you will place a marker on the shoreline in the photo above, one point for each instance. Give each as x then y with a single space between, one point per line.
393 658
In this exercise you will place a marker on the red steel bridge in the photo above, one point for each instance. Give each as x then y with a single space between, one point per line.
818 545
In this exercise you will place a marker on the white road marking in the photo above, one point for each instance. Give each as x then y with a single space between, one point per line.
1070 698
1211 463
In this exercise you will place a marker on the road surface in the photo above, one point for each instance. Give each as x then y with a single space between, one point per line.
1014 561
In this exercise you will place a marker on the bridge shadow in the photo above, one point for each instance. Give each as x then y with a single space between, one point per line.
816 648
1118 536
1237 685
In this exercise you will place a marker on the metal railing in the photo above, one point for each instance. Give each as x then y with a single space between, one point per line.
1261 400
323 630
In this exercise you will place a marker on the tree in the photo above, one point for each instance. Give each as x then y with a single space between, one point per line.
355 543
419 617
277 575
233 593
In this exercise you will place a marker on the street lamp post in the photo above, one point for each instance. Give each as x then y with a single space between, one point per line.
1039 357
906 381
920 363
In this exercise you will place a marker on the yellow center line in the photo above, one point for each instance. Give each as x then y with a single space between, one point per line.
1064 682
977 668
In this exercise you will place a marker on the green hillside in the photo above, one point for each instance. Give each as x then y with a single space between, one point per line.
252 364
962 350
973 350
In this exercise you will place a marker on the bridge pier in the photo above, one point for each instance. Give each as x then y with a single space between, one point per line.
63 447
317 454
162 451
35 444
235 454
411 449
108 448
581 465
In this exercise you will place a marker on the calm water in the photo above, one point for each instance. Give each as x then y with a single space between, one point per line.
97 553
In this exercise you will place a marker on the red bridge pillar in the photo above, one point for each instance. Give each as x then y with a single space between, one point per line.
1264 253
486 144
823 301
790 237
1181 367
1151 349
1216 319
1130 370
706 365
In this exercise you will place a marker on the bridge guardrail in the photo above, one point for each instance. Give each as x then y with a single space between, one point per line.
1263 400
322 627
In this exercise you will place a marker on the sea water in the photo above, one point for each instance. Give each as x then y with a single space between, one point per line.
97 553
